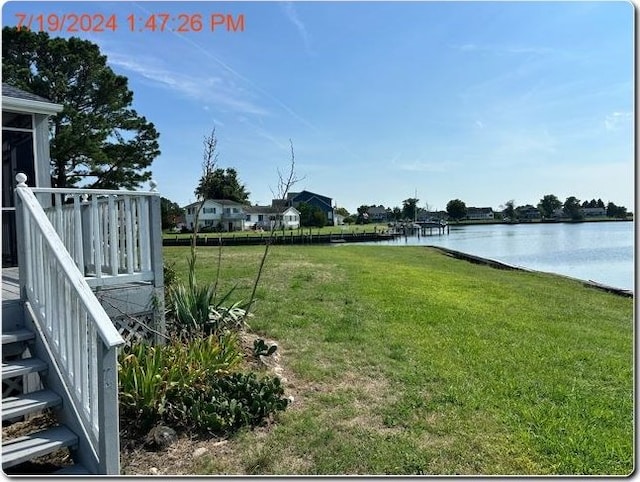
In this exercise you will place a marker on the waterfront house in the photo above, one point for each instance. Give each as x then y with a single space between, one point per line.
270 217
324 203
216 215
82 274
593 212
528 212
378 214
479 213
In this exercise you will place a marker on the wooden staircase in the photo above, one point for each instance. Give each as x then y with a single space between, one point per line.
26 453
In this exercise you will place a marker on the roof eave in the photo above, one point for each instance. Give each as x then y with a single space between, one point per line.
30 106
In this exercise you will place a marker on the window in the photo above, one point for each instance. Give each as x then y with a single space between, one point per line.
260 217
209 210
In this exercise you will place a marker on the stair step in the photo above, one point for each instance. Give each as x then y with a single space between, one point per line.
16 336
13 407
76 469
41 443
16 368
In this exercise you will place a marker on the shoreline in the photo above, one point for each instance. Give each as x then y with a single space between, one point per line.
540 221
472 258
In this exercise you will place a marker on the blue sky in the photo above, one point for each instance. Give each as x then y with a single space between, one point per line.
482 101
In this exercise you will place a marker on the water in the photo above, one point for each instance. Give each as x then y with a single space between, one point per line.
598 251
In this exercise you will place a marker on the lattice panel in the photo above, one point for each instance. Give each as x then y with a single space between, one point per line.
135 328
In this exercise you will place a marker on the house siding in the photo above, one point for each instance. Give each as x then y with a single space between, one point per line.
217 214
322 202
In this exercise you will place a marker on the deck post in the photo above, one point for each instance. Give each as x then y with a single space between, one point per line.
20 235
157 265
109 427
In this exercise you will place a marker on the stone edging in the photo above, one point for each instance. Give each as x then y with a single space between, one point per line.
500 265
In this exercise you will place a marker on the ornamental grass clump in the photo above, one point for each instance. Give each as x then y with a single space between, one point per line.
195 310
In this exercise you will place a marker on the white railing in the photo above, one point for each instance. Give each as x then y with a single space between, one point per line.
107 232
76 331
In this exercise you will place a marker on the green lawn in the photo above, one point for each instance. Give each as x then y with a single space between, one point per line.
405 361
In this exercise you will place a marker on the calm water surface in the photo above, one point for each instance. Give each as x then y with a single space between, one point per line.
601 252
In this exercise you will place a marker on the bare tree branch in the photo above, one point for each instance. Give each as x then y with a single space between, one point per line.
284 186
286 183
209 161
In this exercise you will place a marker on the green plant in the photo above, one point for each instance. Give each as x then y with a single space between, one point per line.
150 376
233 401
260 348
170 275
195 310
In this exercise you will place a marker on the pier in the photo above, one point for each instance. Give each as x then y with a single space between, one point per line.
422 228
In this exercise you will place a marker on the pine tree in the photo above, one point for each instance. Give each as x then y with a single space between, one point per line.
98 140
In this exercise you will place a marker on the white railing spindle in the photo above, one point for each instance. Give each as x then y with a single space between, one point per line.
113 237
108 234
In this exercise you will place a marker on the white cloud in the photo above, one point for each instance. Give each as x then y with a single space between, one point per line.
209 89
292 15
616 120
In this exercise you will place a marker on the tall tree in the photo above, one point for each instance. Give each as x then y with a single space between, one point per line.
409 208
222 184
170 212
456 209
342 212
98 139
572 209
363 214
614 211
509 210
548 204
311 216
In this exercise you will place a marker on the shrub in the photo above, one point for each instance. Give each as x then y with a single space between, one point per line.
149 376
230 402
191 386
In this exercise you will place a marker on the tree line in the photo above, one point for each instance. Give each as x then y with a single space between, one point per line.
457 210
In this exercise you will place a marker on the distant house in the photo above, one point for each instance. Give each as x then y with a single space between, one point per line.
378 214
593 212
528 212
324 203
218 214
479 213
268 217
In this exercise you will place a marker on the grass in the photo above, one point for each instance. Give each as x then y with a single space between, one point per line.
405 361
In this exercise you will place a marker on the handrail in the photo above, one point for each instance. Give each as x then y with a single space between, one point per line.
98 192
108 333
76 333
